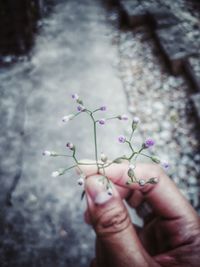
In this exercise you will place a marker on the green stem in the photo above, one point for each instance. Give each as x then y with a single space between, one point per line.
145 155
130 146
95 141
74 166
61 155
82 163
131 136
112 118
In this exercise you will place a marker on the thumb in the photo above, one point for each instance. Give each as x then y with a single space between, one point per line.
113 227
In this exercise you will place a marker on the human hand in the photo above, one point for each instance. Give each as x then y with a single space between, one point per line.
170 238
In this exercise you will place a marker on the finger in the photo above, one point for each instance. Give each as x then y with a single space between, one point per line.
113 226
164 197
135 198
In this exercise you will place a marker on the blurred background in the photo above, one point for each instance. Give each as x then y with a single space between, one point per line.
136 57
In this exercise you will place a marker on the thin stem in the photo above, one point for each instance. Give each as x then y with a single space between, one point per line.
75 159
62 155
130 146
82 163
112 118
95 141
131 136
74 166
95 110
112 162
145 155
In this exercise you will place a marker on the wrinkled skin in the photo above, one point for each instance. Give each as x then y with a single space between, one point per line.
171 232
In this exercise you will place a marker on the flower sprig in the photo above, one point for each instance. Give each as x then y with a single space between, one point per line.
101 161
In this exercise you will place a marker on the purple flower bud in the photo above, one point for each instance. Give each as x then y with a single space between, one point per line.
123 117
122 139
149 143
103 108
70 146
75 96
102 121
80 108
165 165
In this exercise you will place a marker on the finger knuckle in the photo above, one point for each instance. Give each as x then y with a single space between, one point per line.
112 221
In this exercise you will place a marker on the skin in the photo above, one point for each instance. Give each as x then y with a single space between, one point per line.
170 235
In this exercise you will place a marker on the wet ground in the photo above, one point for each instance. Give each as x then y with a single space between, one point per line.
80 51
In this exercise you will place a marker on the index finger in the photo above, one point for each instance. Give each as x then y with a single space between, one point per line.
164 197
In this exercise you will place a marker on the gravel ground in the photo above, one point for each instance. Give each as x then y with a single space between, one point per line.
161 102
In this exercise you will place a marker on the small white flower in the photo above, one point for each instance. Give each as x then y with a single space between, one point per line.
131 166
104 158
80 181
123 117
46 153
55 174
67 117
136 120
142 182
109 191
49 153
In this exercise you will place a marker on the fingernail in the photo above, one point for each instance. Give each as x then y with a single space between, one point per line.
102 198
97 190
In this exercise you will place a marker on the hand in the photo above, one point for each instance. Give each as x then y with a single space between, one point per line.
170 238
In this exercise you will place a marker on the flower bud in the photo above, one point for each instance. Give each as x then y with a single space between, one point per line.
56 174
103 108
81 179
81 108
102 121
142 182
70 146
118 161
148 143
153 180
131 167
123 117
155 159
131 173
104 158
49 153
109 191
165 165
122 139
46 153
75 96
67 118
135 122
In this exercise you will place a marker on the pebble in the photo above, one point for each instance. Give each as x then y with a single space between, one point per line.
160 100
